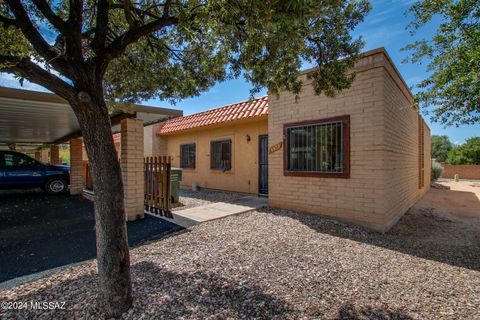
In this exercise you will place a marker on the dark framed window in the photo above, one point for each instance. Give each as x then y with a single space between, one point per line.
221 155
319 148
187 156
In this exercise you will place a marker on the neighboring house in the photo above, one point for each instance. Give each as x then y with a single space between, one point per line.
363 156
219 148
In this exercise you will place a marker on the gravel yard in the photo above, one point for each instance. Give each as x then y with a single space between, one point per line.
285 265
191 199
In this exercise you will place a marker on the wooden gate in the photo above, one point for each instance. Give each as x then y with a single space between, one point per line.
88 177
157 195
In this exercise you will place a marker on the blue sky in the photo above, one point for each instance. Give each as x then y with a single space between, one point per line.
383 27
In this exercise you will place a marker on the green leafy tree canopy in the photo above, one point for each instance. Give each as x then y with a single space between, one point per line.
441 145
177 49
467 153
451 93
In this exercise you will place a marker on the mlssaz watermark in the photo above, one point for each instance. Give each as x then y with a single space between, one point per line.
33 305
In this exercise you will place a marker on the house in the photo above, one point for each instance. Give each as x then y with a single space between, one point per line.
362 156
219 148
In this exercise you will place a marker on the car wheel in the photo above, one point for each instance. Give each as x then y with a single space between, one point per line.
56 186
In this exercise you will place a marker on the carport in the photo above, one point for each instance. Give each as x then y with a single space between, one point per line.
39 232
45 118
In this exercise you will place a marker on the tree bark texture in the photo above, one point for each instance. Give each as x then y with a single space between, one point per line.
115 292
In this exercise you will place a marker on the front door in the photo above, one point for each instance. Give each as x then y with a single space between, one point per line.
263 164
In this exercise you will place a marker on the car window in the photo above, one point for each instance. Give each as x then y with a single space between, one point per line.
17 160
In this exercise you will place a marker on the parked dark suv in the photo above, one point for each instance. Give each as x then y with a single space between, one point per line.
18 171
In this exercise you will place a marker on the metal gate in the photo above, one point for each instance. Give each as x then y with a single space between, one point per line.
263 164
157 198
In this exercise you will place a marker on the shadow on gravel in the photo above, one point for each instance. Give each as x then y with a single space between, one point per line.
424 235
161 294
200 295
350 312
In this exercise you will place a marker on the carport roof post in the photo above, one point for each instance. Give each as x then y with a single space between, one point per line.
131 162
40 117
77 182
55 154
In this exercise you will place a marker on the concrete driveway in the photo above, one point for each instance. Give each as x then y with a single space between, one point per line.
453 200
39 232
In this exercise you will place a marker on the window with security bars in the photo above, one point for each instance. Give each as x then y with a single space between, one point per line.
187 156
221 155
318 148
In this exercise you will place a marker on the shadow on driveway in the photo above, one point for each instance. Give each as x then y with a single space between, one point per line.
40 232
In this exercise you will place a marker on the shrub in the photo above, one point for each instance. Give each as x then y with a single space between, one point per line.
437 170
441 145
467 153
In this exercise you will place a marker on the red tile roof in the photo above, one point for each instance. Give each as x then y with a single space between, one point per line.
241 110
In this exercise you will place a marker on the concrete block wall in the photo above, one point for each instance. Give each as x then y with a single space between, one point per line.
464 171
45 155
55 155
131 162
384 153
148 140
401 149
155 145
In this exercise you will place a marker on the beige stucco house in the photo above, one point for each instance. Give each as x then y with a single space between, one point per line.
362 156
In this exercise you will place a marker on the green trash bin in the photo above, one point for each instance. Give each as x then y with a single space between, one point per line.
175 178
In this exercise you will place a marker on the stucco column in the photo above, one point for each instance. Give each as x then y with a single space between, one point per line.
55 155
38 155
131 161
76 180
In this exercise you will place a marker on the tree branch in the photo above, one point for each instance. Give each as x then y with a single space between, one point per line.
166 8
139 12
119 45
35 74
7 22
128 14
101 26
48 52
74 36
47 12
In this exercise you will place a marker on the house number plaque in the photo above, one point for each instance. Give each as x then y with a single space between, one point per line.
276 147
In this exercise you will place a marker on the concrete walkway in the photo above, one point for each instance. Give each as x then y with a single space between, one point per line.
193 216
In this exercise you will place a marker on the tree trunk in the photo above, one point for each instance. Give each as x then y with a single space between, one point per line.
114 291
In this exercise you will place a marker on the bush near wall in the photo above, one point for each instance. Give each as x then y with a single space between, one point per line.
465 171
437 170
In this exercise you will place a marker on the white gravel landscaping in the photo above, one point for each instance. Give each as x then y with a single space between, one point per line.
284 265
